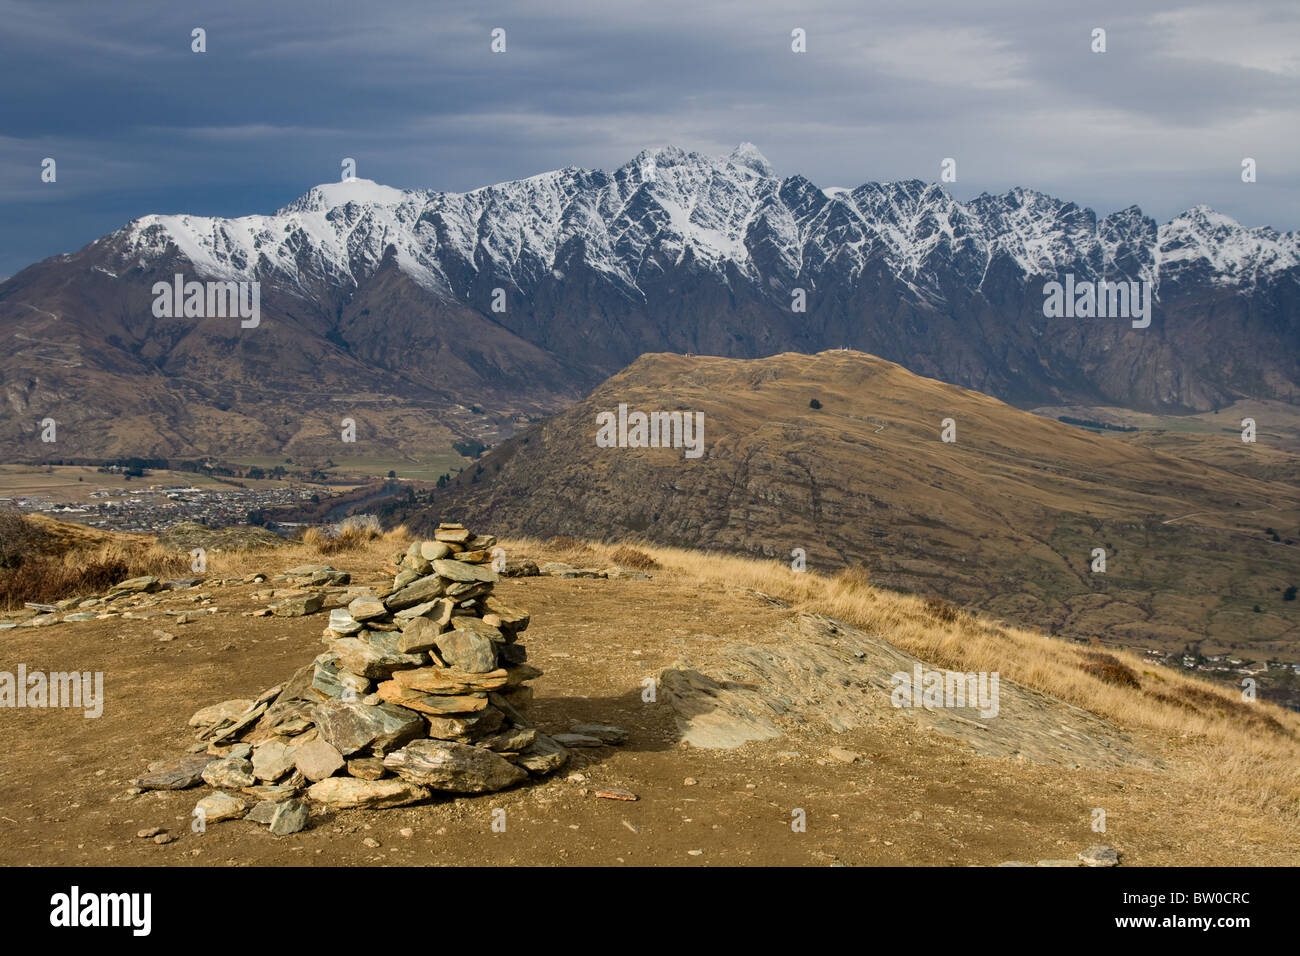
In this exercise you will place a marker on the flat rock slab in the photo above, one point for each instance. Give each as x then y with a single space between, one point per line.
513 740
318 759
476 625
433 550
272 760
181 775
419 591
434 704
221 806
333 681
351 727
216 713
222 733
605 733
141 585
451 680
419 636
374 655
464 573
262 813
366 608
455 767
544 755
1099 856
232 772
468 727
514 618
468 651
439 610
299 606
366 768
342 622
343 793
273 793
290 816
816 672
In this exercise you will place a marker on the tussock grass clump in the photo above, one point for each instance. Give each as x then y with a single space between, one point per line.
351 534
570 550
633 558
325 541
853 578
942 611
1110 668
1208 701
19 537
84 572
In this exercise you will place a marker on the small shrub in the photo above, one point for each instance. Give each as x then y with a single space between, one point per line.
19 538
1110 668
814 404
633 558
1203 699
349 535
571 549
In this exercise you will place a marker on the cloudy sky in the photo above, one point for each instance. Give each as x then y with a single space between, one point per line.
411 89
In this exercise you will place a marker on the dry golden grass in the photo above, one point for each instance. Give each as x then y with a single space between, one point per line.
62 560
83 572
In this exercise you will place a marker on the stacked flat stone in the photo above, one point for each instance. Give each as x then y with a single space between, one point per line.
423 688
429 676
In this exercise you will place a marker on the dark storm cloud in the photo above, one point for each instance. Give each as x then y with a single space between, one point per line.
139 124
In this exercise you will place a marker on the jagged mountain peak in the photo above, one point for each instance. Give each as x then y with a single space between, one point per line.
365 192
748 156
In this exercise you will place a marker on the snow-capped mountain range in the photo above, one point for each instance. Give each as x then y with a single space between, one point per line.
722 213
516 299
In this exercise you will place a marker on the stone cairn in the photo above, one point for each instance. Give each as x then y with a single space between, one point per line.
422 689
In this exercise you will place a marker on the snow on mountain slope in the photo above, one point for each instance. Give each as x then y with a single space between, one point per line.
721 213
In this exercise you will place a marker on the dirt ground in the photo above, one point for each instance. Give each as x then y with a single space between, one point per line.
915 797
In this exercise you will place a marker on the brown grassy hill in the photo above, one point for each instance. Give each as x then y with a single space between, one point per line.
1005 519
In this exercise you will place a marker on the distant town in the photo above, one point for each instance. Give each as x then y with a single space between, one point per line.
152 509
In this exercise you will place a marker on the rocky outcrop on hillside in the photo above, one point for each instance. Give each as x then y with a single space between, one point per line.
822 675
